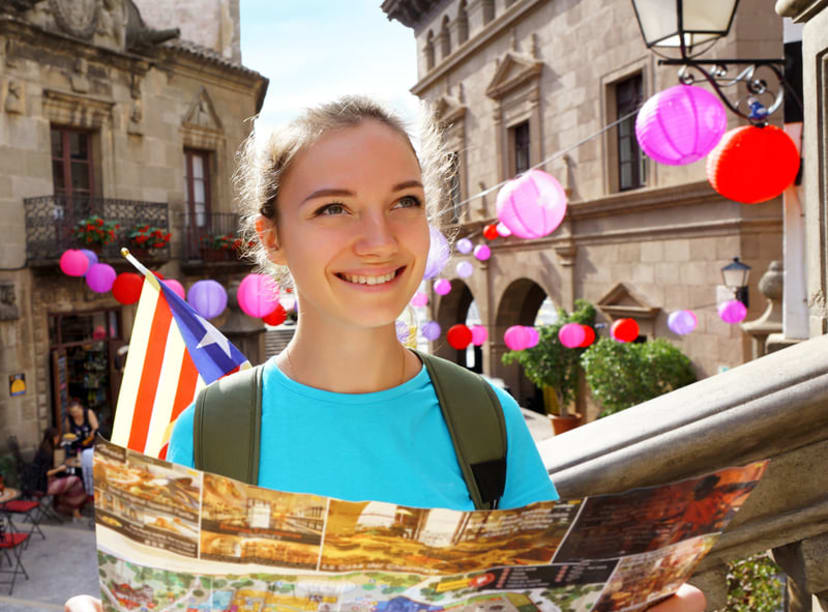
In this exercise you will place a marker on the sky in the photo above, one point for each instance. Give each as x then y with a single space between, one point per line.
316 50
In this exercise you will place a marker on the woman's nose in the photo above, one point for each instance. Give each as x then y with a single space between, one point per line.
377 236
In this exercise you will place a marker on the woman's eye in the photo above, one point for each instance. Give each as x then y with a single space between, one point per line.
408 202
331 209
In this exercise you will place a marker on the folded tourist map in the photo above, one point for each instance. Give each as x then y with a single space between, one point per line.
174 538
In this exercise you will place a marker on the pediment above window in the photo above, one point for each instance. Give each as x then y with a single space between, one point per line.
450 109
514 70
619 303
202 114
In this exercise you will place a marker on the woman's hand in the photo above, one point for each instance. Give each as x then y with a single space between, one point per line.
687 599
83 603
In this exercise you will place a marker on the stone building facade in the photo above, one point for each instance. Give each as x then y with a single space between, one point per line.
102 112
517 82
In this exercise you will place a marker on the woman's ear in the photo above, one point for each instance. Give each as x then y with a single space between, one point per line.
266 230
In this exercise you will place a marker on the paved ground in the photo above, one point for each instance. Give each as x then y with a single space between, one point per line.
62 565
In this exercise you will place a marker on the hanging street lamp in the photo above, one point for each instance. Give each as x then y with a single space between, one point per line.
735 277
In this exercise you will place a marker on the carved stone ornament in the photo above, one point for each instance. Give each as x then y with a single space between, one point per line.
8 302
78 18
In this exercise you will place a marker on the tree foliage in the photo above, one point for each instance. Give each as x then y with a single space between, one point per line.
622 374
550 363
753 585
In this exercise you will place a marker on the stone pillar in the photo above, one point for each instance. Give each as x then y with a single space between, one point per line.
770 322
804 563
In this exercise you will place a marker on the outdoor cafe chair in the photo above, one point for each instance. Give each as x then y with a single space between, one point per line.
11 543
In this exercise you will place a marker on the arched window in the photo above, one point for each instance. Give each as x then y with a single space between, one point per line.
462 23
488 10
429 50
445 39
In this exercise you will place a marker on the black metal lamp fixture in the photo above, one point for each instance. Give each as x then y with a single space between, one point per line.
735 277
692 27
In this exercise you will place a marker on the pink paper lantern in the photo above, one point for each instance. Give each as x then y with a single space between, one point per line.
464 246
534 337
572 335
682 322
482 252
177 287
208 298
464 269
503 230
517 337
100 277
680 125
732 311
74 263
532 205
431 330
479 335
420 299
258 295
442 286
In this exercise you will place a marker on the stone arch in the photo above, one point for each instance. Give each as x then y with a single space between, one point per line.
518 305
452 309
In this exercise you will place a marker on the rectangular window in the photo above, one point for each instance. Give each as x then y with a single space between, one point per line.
520 150
72 170
632 169
454 187
198 187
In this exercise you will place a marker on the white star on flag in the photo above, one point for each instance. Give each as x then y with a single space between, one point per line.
213 336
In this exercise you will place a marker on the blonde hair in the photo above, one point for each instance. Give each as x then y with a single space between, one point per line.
261 168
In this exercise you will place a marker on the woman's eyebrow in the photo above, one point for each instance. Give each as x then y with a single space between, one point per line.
327 192
406 185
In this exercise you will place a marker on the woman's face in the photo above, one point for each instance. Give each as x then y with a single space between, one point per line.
352 226
75 411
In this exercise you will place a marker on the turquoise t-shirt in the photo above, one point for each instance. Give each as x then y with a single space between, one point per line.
390 445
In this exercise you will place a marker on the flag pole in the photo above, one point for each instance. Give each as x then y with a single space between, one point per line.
139 266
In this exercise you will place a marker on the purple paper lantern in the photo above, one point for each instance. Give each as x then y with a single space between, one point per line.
442 286
402 330
420 299
438 253
464 269
682 322
92 256
464 246
502 230
482 252
208 298
431 330
680 125
532 205
572 335
732 311
74 263
258 295
479 335
100 277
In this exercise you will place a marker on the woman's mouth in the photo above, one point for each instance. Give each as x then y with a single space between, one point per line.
370 280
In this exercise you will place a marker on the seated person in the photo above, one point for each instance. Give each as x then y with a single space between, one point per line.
83 424
67 491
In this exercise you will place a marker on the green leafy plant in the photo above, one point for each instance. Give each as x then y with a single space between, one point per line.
753 585
623 374
550 363
146 236
222 241
94 231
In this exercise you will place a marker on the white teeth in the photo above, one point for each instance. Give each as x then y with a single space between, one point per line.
369 280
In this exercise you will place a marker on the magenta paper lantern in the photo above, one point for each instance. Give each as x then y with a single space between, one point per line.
517 337
438 253
479 335
464 269
208 298
732 311
464 246
442 286
534 337
572 335
482 252
680 125
100 277
91 255
431 330
177 287
258 295
532 205
420 299
682 322
74 263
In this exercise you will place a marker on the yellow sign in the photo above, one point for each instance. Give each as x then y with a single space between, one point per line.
17 384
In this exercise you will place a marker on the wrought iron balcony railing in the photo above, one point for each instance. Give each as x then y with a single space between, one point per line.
51 221
209 236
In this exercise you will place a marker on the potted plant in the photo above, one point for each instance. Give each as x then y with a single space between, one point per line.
555 368
95 233
145 238
220 246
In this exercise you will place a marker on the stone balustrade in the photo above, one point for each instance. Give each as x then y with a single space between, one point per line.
775 407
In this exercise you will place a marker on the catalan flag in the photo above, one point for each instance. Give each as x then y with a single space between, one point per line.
173 352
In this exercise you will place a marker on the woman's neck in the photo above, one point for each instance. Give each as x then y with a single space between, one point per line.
347 360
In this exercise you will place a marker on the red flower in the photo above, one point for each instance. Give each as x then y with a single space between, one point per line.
158 245
167 237
99 222
89 226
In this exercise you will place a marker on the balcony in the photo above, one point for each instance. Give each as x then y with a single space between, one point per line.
209 238
50 221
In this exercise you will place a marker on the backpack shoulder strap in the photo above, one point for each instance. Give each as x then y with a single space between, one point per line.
475 421
228 417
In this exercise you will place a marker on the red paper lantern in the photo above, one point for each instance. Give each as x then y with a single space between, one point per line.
624 330
127 287
589 336
753 164
459 336
490 231
277 317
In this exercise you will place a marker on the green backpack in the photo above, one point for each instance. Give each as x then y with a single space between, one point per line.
231 409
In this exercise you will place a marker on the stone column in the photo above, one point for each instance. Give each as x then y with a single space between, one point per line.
770 322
